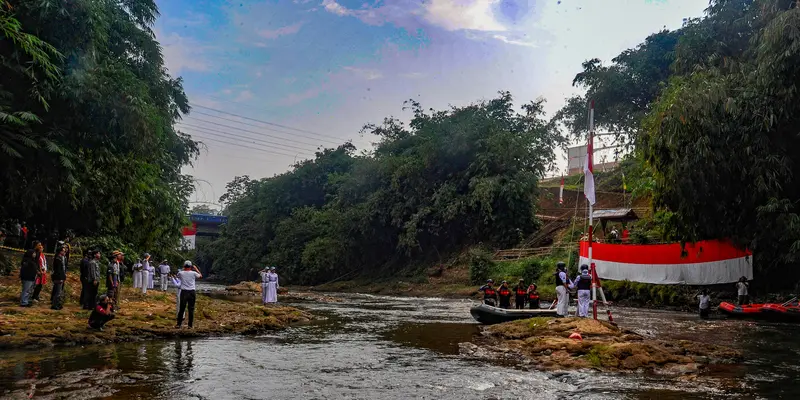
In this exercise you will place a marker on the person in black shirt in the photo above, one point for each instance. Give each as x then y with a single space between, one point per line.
58 275
27 274
489 294
85 283
504 294
533 297
521 293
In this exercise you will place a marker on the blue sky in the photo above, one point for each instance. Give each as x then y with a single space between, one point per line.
322 68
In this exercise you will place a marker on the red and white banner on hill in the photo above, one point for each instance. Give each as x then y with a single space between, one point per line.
703 263
190 236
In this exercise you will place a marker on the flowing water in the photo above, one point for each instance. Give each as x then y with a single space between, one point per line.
372 347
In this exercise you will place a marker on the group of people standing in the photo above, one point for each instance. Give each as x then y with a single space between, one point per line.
144 274
583 284
34 269
501 296
269 285
33 274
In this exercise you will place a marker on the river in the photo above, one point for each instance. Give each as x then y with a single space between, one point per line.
375 347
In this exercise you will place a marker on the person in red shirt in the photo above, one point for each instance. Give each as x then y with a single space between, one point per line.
489 293
101 314
522 293
504 295
41 273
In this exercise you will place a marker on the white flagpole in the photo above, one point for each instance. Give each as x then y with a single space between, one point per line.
590 159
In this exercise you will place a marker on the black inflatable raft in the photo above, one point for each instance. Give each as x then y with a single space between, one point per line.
489 315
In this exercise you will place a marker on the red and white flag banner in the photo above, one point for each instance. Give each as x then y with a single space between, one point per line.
588 164
703 263
561 192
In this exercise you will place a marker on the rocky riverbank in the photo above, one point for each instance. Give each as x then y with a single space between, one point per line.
141 317
576 343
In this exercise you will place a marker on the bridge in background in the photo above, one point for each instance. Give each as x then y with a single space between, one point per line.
202 225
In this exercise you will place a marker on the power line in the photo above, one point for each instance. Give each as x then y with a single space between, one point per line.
210 131
246 147
265 122
253 132
254 125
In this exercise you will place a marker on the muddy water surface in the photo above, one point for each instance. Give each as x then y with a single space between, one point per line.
373 347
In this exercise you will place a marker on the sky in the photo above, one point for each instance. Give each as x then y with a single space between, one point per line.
271 82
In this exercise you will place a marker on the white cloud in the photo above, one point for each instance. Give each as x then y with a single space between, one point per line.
368 74
413 75
455 15
244 96
183 54
332 6
506 39
282 31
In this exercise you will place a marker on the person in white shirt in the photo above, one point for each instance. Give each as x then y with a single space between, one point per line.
188 297
705 303
742 290
177 283
163 271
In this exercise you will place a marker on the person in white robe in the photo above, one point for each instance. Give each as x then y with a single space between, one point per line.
146 273
137 274
562 290
583 283
269 286
151 271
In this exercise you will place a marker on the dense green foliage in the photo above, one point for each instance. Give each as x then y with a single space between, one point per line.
713 108
448 180
86 121
623 91
723 133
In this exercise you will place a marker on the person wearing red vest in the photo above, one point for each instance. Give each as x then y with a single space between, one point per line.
504 295
522 292
533 297
489 294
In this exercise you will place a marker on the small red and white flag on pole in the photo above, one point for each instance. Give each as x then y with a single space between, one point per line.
561 192
588 169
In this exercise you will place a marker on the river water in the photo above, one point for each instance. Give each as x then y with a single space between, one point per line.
374 347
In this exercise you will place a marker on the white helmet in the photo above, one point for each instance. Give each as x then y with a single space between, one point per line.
187 263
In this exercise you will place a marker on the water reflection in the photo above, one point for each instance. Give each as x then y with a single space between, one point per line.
390 348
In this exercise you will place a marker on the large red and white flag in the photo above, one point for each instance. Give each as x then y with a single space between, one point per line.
588 168
709 262
561 192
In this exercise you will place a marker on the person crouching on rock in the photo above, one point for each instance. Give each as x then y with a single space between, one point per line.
521 292
584 284
533 297
562 289
101 313
489 294
504 294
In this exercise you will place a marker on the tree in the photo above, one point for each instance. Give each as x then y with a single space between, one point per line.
721 138
623 91
449 179
102 156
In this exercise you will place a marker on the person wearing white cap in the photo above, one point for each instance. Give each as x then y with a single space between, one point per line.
269 286
188 297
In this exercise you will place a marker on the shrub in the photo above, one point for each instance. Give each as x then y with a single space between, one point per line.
480 265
